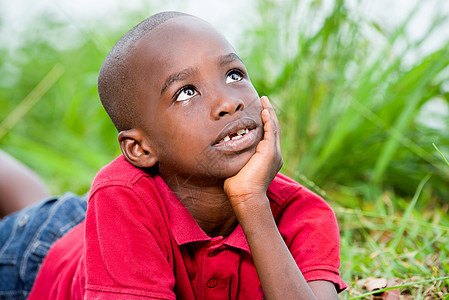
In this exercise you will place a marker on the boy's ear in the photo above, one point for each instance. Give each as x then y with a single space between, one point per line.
136 148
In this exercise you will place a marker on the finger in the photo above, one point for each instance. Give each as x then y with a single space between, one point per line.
272 114
267 105
269 126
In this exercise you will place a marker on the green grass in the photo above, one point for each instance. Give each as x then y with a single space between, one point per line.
397 240
441 154
348 104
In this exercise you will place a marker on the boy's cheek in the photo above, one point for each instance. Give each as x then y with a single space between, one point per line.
257 109
254 101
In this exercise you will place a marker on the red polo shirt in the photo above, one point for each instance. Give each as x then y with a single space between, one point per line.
140 241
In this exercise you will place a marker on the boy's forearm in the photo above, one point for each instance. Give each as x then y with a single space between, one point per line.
19 185
277 270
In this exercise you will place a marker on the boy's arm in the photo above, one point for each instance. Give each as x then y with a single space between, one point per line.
278 272
19 185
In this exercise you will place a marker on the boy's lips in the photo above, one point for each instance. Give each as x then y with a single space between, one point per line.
238 135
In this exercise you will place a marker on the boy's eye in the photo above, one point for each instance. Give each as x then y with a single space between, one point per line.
186 93
234 76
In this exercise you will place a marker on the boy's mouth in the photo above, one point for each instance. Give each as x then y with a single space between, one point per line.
235 136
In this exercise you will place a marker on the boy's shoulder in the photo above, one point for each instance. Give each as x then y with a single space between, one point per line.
118 172
284 191
282 188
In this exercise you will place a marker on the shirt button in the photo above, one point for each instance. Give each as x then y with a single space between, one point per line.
212 253
212 283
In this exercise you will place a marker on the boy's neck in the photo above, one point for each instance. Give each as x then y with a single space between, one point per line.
208 204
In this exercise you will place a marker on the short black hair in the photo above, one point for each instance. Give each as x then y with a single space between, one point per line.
116 82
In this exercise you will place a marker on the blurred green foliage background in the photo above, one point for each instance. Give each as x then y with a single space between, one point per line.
359 105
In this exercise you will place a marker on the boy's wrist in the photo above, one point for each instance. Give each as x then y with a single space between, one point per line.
250 206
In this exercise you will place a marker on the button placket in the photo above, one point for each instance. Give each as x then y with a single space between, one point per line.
213 285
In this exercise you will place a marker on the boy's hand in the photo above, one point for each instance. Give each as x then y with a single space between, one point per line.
247 194
252 181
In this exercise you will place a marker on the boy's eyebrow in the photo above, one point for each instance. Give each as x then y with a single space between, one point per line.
177 77
229 58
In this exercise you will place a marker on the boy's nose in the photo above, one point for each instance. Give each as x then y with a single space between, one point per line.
226 105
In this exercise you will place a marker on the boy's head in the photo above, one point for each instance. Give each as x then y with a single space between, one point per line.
181 98
117 79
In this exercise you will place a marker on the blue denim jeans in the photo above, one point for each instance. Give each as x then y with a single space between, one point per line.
27 235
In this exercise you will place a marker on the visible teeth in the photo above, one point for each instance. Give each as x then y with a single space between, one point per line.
239 135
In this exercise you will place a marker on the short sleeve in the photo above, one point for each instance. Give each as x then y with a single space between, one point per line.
126 250
310 230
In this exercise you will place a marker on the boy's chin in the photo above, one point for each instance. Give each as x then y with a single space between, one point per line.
230 168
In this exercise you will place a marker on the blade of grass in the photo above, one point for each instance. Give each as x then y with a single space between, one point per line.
31 99
407 213
441 154
417 78
404 140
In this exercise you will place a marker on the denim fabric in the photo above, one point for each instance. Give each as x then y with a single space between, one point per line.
26 237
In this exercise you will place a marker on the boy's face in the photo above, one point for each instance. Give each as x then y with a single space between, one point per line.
199 110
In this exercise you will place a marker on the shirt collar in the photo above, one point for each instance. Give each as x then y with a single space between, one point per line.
237 239
184 227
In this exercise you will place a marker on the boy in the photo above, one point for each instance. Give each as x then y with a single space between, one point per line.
194 208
